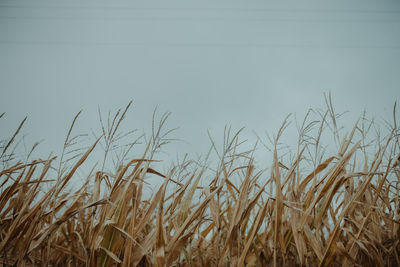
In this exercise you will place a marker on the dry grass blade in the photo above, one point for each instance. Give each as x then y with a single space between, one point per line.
278 210
13 137
254 229
111 255
317 170
160 234
236 218
68 176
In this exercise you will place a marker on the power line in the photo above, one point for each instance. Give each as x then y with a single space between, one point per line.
217 19
257 10
210 44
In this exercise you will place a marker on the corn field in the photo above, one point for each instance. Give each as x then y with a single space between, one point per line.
344 210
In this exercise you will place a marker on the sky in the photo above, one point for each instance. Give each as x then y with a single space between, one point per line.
210 63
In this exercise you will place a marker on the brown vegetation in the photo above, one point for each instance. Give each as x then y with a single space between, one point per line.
344 212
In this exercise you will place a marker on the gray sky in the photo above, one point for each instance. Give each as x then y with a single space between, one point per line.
210 63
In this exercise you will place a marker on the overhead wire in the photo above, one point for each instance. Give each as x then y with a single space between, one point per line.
235 9
216 19
198 44
208 19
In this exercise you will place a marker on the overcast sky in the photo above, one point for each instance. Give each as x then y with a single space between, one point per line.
210 63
